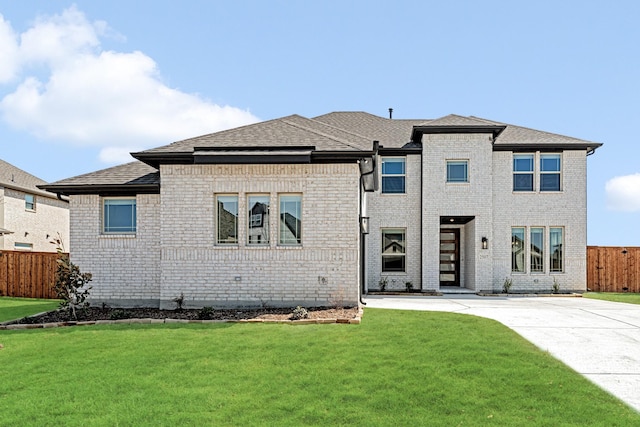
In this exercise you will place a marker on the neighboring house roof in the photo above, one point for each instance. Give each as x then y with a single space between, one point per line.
337 136
17 179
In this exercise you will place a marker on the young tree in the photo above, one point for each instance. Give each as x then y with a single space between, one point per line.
70 285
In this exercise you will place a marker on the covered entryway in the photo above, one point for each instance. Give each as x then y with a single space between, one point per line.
452 249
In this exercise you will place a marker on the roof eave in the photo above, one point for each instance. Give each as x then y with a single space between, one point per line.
104 189
418 131
523 147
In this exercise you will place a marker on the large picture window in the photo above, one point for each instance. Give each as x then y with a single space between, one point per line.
550 170
393 175
457 171
518 250
556 254
393 250
227 219
290 228
119 215
258 218
523 172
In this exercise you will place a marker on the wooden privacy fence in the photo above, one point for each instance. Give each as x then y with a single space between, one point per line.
27 274
613 269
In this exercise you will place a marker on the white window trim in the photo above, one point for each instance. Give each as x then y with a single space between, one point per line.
540 172
102 219
404 175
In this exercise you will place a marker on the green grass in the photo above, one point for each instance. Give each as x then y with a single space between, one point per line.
630 298
397 368
17 308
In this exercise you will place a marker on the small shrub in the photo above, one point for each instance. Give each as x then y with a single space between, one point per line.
409 286
206 313
507 285
556 286
179 301
383 282
118 314
71 286
299 313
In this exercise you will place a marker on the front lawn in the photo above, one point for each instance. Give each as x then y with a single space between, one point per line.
396 368
17 308
630 298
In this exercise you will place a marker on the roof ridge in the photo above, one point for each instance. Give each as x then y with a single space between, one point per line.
535 130
317 132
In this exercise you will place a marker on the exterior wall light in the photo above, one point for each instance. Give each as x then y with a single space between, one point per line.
485 243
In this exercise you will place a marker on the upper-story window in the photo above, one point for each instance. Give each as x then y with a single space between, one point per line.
393 175
457 171
119 215
523 172
30 202
550 169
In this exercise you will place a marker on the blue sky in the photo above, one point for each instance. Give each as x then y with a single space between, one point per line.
84 83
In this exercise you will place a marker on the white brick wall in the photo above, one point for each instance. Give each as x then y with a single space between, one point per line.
173 251
50 217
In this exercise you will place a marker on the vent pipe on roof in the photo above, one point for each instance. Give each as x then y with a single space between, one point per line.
391 113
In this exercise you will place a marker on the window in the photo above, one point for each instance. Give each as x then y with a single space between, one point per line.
517 250
119 215
290 220
393 250
537 249
30 202
258 216
393 175
550 172
556 256
23 246
523 172
227 219
457 171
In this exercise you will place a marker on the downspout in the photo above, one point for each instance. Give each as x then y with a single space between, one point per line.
421 216
368 183
362 246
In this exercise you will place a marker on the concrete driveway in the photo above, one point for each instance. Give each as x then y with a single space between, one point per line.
598 339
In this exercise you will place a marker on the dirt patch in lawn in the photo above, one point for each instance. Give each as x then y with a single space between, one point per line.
268 314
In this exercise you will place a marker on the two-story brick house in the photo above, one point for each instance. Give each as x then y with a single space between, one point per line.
284 212
30 218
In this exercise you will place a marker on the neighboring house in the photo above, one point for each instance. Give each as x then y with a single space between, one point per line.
30 218
456 203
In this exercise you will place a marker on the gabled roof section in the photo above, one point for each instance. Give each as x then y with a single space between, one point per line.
391 133
279 134
17 179
128 179
455 124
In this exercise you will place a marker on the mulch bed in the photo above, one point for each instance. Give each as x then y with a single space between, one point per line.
91 314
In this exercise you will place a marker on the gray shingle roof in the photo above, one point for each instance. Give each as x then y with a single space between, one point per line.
14 177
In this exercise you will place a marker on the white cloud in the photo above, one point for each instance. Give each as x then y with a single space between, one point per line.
623 193
8 51
112 100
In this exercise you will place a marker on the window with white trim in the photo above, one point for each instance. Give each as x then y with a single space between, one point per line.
393 175
30 202
393 250
119 215
258 218
550 172
457 171
227 219
290 227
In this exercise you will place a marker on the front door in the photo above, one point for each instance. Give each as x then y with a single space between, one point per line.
450 257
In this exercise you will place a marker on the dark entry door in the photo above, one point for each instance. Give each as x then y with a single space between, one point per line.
450 257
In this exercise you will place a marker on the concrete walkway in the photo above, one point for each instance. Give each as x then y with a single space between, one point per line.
598 339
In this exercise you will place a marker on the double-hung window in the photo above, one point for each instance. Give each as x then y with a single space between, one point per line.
457 171
290 228
393 250
119 215
518 250
227 219
550 170
393 175
30 202
258 218
523 172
